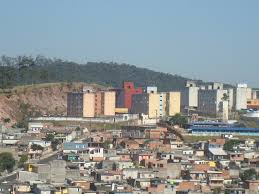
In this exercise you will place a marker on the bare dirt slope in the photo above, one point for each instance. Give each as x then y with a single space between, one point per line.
35 100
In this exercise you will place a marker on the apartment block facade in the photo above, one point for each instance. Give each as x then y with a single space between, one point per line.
124 95
91 104
75 104
156 105
241 96
173 103
210 101
189 97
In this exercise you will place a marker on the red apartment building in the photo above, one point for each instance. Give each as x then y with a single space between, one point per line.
124 95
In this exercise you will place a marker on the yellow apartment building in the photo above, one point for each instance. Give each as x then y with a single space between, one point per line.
173 101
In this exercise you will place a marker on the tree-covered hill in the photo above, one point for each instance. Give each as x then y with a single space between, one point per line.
28 70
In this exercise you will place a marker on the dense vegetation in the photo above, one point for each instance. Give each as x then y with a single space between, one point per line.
28 70
230 144
7 161
178 119
249 174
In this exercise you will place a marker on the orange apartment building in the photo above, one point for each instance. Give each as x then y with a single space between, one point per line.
91 104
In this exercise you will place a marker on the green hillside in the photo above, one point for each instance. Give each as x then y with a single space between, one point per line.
28 70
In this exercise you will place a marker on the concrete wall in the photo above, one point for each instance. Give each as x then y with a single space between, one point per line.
25 176
58 171
44 172
174 170
72 173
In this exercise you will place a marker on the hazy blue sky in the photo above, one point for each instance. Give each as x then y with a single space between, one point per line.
211 40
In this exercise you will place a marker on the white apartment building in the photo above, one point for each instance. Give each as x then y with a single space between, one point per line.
241 95
151 89
189 96
230 99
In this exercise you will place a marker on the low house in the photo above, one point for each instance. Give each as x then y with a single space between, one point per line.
254 163
199 171
74 190
69 147
107 165
35 127
44 189
175 144
130 144
154 144
92 153
199 153
90 164
236 156
124 156
156 133
21 188
138 157
42 143
154 163
206 162
215 179
142 184
134 173
187 151
216 143
166 156
186 186
217 154
109 176
156 186
80 182
173 170
124 164
252 185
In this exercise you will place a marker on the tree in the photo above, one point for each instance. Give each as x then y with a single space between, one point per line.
225 97
249 174
39 69
7 161
106 144
23 159
35 147
186 175
78 129
230 144
7 120
54 144
49 137
178 119
217 190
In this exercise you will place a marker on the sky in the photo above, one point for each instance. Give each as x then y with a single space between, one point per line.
199 39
